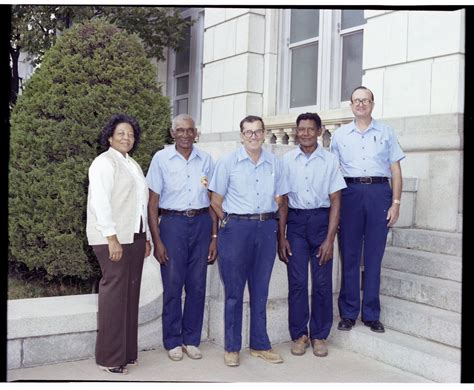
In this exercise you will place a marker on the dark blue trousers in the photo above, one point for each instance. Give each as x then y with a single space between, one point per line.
187 242
306 230
363 225
247 251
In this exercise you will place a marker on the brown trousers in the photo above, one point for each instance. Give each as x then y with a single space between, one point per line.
119 295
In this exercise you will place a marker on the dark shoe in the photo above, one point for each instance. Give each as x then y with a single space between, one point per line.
346 324
375 326
132 362
115 370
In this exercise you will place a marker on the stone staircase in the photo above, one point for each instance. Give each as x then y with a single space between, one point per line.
421 306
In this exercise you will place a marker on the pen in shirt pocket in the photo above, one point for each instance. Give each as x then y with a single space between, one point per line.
375 138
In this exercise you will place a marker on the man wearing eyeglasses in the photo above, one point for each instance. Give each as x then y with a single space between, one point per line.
307 229
185 238
247 187
369 156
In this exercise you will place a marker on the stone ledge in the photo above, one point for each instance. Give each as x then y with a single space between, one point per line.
35 324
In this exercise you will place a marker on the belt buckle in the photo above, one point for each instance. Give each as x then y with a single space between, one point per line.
190 213
366 180
260 218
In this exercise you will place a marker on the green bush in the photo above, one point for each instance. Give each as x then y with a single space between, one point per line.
93 71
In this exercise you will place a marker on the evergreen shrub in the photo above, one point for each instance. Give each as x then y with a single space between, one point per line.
93 71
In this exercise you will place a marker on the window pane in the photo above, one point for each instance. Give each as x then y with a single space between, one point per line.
304 24
304 75
182 85
351 63
351 18
181 106
182 54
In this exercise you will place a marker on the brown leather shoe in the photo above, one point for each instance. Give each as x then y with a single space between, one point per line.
320 348
231 359
298 347
269 356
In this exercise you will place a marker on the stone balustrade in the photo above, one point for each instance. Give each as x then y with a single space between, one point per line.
281 130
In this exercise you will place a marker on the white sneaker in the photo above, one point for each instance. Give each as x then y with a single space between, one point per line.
176 353
192 351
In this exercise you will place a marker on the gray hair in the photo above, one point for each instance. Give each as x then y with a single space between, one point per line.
182 117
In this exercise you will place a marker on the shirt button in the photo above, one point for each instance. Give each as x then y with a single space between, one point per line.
189 176
362 148
256 180
306 177
258 193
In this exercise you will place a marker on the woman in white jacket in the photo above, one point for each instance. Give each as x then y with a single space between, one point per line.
118 232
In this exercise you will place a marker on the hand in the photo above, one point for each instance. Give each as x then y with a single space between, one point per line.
160 253
212 250
325 252
284 249
115 248
147 249
392 214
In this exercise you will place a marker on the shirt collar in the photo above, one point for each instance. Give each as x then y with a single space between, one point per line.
242 155
317 153
373 125
174 153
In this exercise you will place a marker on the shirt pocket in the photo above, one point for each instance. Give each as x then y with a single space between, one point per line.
176 180
346 151
268 182
241 182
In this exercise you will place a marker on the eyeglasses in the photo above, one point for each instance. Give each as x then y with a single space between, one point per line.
180 131
365 102
307 130
249 133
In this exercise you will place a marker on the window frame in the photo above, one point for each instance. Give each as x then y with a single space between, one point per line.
329 80
195 67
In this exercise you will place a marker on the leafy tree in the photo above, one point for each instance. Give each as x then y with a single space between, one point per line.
93 71
35 29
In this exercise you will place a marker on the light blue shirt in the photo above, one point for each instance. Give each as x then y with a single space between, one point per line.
182 184
366 154
312 179
249 188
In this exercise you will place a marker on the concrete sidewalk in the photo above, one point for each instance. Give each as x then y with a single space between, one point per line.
339 366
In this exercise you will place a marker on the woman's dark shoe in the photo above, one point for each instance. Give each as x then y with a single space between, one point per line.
132 362
115 370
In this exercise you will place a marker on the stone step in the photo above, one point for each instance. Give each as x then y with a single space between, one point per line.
434 361
421 320
428 240
423 263
444 294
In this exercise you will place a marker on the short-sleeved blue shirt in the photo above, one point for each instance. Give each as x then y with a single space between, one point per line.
311 179
366 154
249 188
182 184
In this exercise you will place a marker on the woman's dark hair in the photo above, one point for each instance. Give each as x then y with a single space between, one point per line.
114 121
309 116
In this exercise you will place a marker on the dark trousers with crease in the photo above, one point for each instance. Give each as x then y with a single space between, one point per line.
119 295
362 226
187 242
306 231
